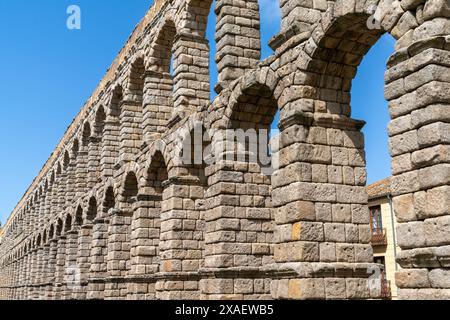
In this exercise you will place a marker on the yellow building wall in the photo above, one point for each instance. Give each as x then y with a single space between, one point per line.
388 251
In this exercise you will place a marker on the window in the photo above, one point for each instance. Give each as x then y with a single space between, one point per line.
375 219
380 260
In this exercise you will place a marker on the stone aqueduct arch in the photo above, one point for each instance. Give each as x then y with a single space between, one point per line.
115 205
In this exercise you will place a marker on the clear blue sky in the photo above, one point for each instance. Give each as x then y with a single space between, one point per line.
48 72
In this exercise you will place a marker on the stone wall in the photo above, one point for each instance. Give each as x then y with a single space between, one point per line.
115 214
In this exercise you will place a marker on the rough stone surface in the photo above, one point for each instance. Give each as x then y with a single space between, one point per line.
115 213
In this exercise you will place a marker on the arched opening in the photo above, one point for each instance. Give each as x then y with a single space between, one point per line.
161 55
369 104
210 35
91 213
51 200
145 230
86 135
51 232
95 148
322 175
109 201
38 241
159 83
196 151
75 148
136 80
156 175
79 217
241 185
119 246
68 223
66 160
132 112
253 118
99 246
190 189
59 228
57 190
72 168
130 190
99 124
116 102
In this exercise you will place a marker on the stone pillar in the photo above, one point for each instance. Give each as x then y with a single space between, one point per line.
29 275
61 195
16 279
43 272
59 286
81 174
25 277
237 38
70 189
83 260
32 274
418 89
322 220
191 74
62 184
130 130
38 273
157 104
32 221
51 269
118 254
144 256
72 270
4 283
239 226
48 205
110 146
98 255
13 284
181 239
94 161
25 224
54 202
19 278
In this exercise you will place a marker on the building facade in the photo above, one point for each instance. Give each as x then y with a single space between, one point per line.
383 225
116 213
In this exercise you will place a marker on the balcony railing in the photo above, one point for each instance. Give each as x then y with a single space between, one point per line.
379 237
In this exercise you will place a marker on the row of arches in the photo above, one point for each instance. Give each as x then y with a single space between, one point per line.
125 115
180 231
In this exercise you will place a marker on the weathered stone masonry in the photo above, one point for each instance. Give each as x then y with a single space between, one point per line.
114 215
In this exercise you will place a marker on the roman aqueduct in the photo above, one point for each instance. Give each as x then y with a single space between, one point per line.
113 214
